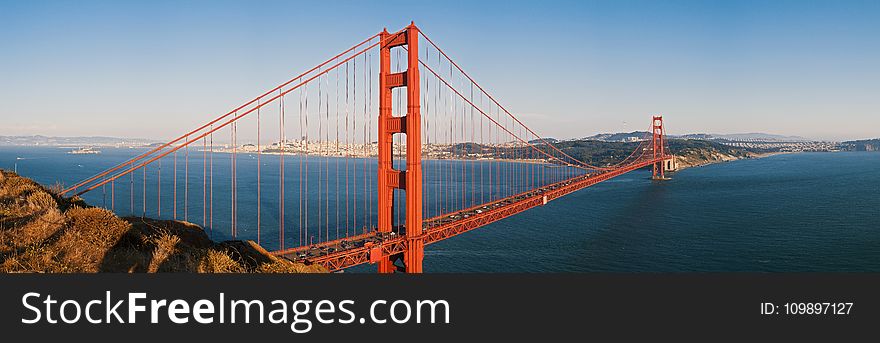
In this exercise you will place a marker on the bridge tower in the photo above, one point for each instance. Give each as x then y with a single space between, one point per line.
658 142
389 179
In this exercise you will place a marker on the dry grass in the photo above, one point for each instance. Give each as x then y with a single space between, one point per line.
43 232
89 234
284 266
28 215
166 245
216 261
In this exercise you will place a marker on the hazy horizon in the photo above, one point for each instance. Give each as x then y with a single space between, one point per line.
224 140
126 70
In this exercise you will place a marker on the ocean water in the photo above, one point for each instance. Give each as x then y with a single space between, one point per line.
324 198
784 213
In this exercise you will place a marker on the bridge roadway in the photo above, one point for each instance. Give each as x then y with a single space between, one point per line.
369 247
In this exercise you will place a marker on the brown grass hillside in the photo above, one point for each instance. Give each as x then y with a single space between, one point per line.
42 232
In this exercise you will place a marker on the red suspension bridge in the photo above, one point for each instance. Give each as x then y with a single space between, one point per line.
334 168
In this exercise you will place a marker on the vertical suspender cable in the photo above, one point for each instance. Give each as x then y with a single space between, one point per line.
327 158
281 147
232 182
301 135
368 122
144 193
259 152
336 94
174 186
480 156
211 184
320 151
159 190
470 152
306 177
235 176
204 182
186 180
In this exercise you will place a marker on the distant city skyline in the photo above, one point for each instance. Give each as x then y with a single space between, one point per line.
567 69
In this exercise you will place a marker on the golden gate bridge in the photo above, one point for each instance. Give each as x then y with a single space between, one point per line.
378 169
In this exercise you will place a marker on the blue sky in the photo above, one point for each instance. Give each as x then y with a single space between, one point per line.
567 69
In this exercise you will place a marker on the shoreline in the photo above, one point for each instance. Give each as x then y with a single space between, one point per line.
726 158
298 154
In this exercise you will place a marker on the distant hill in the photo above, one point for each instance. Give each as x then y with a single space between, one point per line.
619 137
638 135
861 145
704 136
544 140
766 137
688 152
39 140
